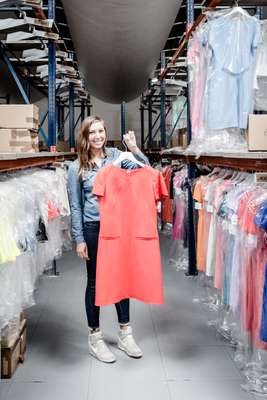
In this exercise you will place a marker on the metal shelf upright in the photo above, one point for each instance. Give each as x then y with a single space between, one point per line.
192 267
52 135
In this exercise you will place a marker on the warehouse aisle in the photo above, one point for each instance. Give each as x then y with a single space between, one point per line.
183 359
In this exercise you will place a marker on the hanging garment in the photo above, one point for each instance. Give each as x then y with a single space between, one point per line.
179 206
197 57
233 43
260 84
198 196
128 259
167 205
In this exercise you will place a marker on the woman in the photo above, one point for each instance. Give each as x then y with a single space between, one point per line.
93 155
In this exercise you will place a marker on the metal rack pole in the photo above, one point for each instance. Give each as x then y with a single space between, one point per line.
192 268
82 111
71 118
259 12
142 115
52 83
162 104
123 119
14 75
150 116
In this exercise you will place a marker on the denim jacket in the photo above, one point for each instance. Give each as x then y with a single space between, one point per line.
83 203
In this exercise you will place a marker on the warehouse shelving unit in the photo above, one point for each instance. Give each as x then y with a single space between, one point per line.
37 47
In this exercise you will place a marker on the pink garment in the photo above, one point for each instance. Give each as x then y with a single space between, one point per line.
219 265
197 68
178 231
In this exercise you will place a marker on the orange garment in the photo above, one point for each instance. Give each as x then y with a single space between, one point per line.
167 203
199 195
128 258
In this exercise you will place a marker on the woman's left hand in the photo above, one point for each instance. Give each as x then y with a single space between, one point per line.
130 140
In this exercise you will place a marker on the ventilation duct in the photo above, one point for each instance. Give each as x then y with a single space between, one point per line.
118 43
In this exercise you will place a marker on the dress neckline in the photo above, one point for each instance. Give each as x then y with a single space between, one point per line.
128 171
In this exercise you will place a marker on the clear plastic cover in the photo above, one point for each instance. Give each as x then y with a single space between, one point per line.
221 60
260 83
32 234
232 262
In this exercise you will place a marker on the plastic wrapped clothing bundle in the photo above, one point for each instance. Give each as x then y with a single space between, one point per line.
236 262
31 235
260 83
221 59
178 251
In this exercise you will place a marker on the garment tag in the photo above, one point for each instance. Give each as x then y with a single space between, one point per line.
260 177
198 206
234 219
252 240
209 208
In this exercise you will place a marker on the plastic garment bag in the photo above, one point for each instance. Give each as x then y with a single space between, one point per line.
260 83
29 238
229 42
178 251
239 303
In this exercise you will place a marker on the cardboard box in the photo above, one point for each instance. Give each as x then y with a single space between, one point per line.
257 132
12 356
19 116
11 332
18 141
9 360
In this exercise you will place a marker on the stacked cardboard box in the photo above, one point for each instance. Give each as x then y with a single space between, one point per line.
257 132
19 125
13 346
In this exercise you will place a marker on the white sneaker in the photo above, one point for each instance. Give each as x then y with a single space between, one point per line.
127 343
99 349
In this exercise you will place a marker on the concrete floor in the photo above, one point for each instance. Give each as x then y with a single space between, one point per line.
184 359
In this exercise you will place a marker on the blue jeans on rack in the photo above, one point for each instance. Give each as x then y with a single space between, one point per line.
91 234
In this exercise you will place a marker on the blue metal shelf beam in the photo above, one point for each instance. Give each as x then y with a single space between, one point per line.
123 119
162 104
52 135
71 117
192 268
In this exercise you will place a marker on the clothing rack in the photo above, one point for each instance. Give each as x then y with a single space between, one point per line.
249 162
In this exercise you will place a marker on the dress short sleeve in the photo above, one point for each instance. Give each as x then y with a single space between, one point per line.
160 187
99 185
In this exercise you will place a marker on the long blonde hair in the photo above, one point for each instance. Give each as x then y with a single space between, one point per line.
83 146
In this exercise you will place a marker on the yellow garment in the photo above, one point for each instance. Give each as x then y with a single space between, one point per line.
8 248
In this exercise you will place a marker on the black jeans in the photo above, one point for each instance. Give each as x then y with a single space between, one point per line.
91 233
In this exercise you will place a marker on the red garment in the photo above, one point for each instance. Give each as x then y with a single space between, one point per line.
167 206
53 212
128 258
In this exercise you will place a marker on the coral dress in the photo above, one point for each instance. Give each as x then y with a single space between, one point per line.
128 259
